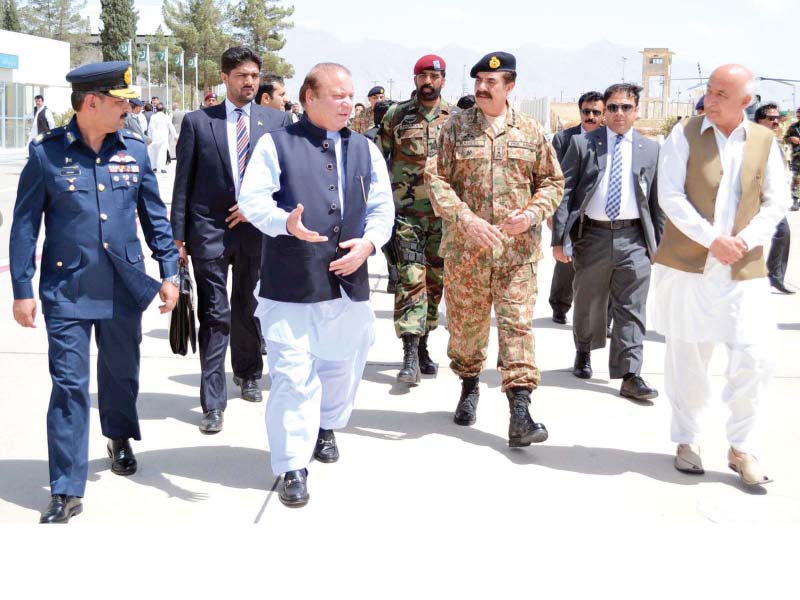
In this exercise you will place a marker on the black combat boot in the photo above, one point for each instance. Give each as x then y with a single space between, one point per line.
391 286
468 403
426 365
522 429
410 371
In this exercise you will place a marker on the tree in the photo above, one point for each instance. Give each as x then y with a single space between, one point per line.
199 27
259 23
119 20
11 20
59 20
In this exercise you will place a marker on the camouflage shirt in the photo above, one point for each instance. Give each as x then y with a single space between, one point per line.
364 120
408 138
476 173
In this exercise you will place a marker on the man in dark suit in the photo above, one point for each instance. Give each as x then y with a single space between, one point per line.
769 116
591 110
610 214
213 150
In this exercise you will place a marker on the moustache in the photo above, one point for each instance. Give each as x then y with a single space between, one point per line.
483 95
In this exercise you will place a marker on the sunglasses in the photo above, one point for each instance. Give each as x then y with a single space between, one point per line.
773 118
591 111
626 108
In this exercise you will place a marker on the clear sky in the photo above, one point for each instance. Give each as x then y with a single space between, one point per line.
762 34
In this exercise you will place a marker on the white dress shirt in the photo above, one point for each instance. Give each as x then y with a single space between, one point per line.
231 118
35 128
628 209
331 329
711 306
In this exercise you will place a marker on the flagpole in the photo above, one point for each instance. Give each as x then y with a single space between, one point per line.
166 70
149 89
183 83
196 89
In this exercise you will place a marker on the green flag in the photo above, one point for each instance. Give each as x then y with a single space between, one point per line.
161 55
142 54
178 60
190 63
123 48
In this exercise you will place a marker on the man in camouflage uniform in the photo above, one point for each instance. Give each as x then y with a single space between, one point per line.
494 182
365 119
408 137
792 137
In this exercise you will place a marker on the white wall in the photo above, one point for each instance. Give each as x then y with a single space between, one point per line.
42 62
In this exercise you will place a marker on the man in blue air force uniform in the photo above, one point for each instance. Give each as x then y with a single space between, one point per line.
322 196
89 180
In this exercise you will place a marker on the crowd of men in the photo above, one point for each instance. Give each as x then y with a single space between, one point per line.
457 196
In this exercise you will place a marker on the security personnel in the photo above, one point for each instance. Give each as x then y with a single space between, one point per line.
365 119
494 181
408 138
90 180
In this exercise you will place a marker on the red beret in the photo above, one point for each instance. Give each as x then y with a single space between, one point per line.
429 62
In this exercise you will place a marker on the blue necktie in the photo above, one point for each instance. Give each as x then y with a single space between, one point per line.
614 198
242 143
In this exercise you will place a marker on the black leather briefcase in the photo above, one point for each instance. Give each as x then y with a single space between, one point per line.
181 324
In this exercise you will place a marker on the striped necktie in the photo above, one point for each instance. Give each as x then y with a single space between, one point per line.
242 143
614 199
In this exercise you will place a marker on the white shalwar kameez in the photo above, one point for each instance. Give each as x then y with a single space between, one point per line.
316 352
696 311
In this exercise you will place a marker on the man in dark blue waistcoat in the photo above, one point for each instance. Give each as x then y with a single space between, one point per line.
90 180
321 194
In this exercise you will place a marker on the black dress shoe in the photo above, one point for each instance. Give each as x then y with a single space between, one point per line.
795 205
294 490
249 389
559 317
636 388
61 508
212 421
123 462
263 347
326 450
779 285
582 368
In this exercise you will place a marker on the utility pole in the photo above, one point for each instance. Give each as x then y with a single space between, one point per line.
391 81
464 80
624 60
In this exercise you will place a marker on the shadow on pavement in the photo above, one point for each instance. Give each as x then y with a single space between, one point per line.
193 380
576 459
156 407
159 334
25 482
789 326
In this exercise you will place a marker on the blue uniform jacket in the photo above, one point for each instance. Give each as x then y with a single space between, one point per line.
92 261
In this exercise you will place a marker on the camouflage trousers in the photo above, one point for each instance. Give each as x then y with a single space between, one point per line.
796 182
472 290
419 271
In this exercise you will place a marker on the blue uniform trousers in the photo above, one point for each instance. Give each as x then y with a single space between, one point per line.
118 342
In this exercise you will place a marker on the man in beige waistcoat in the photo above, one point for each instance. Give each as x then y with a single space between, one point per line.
722 185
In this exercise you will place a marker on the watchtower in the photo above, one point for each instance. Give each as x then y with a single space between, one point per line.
656 80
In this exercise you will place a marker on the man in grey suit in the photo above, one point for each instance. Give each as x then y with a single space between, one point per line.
591 108
610 214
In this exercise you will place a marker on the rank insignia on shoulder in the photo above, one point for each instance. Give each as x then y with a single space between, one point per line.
40 137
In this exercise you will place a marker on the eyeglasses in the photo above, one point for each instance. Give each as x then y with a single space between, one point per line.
591 111
626 108
773 117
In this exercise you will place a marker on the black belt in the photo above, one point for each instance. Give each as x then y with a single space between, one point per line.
619 224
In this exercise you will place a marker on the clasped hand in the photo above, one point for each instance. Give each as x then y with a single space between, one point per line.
728 249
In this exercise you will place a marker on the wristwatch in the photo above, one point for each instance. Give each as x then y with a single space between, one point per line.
174 280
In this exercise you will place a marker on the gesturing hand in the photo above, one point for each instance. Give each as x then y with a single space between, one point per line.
728 249
360 249
486 234
295 226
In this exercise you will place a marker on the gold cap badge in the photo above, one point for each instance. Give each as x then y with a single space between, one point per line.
494 62
127 76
